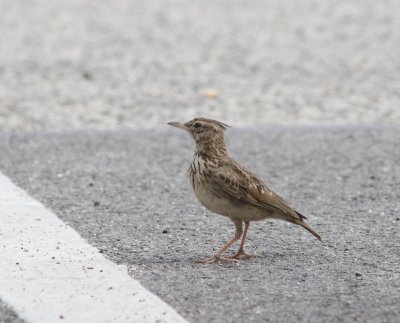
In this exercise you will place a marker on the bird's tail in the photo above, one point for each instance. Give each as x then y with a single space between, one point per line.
307 227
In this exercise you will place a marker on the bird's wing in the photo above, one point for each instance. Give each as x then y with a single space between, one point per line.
234 181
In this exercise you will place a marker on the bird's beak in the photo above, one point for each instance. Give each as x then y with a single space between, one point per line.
179 125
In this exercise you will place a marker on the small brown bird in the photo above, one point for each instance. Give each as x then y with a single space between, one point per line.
227 188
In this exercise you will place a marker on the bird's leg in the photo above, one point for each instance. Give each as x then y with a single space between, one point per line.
218 255
241 252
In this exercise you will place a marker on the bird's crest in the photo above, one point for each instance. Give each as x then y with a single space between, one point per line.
223 126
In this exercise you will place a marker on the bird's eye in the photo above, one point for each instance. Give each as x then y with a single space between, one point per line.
197 125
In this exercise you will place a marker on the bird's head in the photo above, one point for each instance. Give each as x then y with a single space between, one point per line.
204 131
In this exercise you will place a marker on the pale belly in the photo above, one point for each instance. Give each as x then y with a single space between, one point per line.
212 202
233 209
230 207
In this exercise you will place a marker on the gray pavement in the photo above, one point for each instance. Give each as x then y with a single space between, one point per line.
71 65
7 315
127 194
106 64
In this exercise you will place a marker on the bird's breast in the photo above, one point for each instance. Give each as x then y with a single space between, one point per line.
197 174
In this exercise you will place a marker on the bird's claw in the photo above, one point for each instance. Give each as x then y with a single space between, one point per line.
214 259
240 254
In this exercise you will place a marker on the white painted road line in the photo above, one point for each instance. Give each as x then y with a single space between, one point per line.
48 273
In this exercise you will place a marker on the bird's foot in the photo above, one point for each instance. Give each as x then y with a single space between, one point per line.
214 259
240 254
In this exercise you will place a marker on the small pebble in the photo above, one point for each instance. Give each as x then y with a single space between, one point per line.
87 75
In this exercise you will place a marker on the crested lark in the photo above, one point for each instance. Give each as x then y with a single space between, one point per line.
227 188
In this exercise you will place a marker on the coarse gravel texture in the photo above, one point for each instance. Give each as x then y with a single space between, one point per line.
127 194
106 64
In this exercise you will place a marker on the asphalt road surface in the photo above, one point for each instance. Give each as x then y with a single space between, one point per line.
105 64
70 67
7 315
126 193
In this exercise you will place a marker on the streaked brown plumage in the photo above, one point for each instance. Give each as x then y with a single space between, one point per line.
227 188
